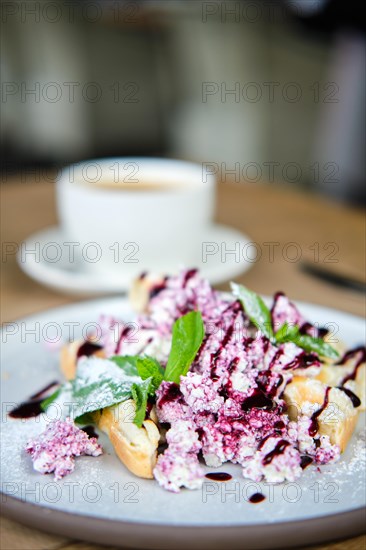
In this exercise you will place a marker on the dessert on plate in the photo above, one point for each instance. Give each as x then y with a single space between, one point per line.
203 377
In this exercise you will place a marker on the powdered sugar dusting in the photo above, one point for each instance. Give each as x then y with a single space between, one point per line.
354 462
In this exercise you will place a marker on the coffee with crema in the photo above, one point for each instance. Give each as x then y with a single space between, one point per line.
154 212
140 185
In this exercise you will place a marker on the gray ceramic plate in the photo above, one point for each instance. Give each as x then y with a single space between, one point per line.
102 502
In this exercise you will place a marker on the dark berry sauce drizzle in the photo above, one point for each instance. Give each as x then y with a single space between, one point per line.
189 274
314 426
305 461
172 393
90 431
264 383
156 289
356 401
32 407
303 361
257 400
349 355
278 450
87 349
256 498
219 476
215 356
124 333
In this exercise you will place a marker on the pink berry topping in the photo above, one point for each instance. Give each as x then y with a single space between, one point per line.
55 449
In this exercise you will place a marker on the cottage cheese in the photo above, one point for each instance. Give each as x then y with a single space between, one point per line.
56 448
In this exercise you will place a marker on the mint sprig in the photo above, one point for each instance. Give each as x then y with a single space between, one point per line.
101 383
287 333
291 333
317 345
255 308
188 334
260 316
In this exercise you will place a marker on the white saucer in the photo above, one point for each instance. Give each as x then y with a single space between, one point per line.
54 268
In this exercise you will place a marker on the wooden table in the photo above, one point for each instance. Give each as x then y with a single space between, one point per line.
274 217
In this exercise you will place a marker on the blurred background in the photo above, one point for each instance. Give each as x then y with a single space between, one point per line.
273 90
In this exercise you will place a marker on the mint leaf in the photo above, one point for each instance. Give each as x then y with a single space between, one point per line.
127 363
188 333
317 345
99 383
151 373
87 418
99 395
149 367
255 308
291 333
260 316
140 393
50 399
287 333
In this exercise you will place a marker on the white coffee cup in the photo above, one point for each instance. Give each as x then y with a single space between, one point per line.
135 213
